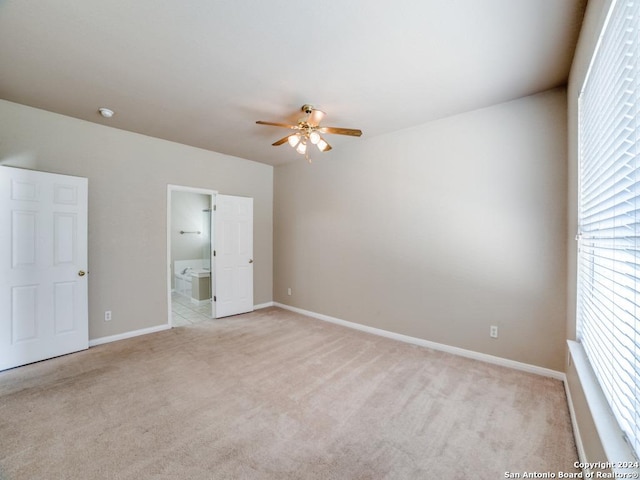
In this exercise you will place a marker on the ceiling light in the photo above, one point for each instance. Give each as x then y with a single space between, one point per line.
106 112
294 140
322 145
309 130
314 137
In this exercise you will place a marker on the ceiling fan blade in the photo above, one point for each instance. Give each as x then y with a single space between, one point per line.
315 117
341 131
275 124
281 141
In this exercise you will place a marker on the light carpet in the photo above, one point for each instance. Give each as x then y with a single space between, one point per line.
276 395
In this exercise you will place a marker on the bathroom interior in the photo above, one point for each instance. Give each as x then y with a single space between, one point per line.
191 234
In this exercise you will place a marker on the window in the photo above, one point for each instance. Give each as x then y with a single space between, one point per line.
609 216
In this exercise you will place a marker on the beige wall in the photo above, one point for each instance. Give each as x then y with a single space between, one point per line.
591 27
438 231
128 176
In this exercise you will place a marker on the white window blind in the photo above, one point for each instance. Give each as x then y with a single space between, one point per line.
608 217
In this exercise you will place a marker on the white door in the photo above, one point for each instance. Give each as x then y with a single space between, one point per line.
233 255
43 263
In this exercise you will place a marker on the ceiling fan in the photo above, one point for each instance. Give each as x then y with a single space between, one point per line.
309 131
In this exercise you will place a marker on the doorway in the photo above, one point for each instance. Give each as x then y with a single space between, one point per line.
189 250
201 222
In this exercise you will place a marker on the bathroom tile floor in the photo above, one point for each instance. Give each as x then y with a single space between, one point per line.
184 312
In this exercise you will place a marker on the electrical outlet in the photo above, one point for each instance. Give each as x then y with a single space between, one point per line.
493 331
289 291
107 316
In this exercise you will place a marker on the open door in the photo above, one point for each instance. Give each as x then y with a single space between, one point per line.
233 255
43 266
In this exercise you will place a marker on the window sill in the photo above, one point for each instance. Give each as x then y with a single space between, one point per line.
617 450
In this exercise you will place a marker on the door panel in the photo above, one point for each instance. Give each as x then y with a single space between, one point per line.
43 297
234 255
64 238
23 241
23 313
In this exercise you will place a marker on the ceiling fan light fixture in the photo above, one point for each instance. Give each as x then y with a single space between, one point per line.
309 131
294 140
314 137
322 145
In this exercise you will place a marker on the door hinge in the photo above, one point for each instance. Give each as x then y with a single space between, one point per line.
214 298
214 253
214 208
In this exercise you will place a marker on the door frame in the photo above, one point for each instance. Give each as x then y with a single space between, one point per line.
182 188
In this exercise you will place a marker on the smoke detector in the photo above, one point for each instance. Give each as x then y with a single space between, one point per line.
106 112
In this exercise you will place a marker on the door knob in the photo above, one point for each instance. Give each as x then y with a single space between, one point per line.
81 273
251 260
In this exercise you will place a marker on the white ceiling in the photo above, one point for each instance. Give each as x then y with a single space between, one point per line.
201 72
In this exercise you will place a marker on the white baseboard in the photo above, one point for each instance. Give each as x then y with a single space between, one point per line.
483 357
122 336
263 305
144 331
525 367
